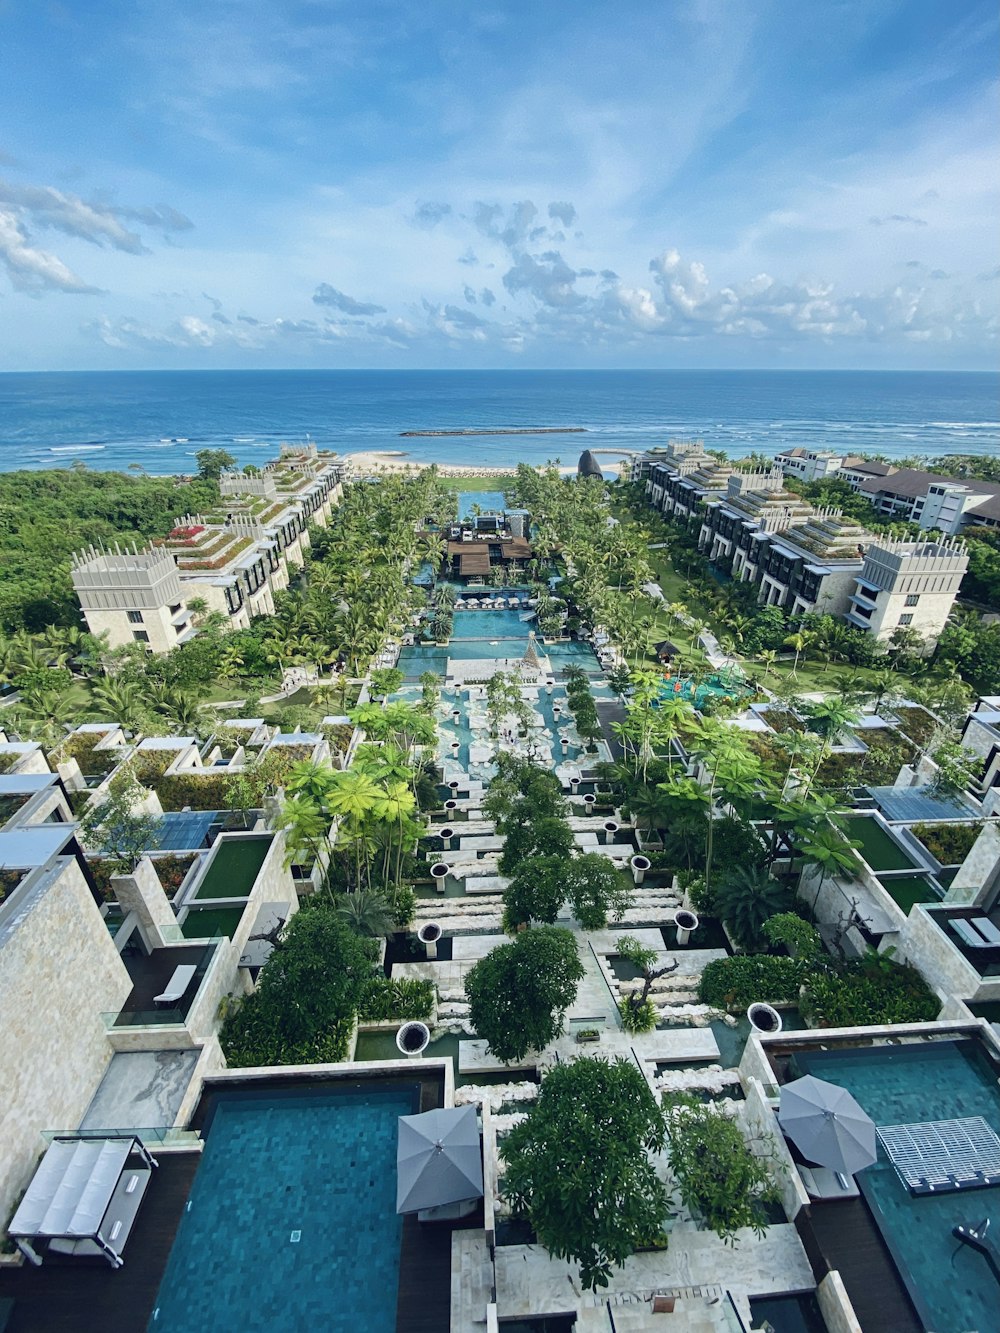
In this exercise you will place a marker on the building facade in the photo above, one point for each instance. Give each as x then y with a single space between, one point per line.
233 560
908 585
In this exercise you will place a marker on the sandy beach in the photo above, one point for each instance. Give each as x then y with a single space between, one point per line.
394 460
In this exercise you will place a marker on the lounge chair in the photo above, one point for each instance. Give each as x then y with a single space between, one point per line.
969 935
986 928
177 985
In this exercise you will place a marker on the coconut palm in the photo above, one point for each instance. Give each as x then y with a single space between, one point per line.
799 642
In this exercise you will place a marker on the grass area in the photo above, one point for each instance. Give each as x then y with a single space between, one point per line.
475 483
234 867
204 923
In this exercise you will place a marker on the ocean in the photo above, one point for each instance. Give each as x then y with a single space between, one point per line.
157 420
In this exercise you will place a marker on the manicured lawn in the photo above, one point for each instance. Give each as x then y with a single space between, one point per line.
476 483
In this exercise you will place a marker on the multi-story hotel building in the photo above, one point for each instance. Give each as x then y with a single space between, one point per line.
233 560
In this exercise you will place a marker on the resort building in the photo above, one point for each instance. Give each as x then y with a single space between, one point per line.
233 561
946 504
907 585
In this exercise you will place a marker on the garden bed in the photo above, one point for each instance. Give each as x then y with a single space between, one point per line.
949 844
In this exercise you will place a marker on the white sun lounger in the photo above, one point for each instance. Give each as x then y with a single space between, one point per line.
177 985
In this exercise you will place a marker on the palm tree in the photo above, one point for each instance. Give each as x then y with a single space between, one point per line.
799 641
745 897
352 796
307 830
119 702
367 912
767 660
829 851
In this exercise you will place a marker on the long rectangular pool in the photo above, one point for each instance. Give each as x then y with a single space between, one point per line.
952 1286
291 1223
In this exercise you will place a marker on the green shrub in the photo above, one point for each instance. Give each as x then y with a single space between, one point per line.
733 983
404 905
950 844
638 1017
401 999
863 993
788 930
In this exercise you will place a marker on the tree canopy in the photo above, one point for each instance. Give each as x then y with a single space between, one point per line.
578 1166
519 992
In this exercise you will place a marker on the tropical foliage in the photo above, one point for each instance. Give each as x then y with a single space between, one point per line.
579 1167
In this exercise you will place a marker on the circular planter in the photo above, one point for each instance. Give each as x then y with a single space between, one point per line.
428 935
640 864
446 834
686 922
451 805
439 873
456 715
455 745
764 1019
453 785
611 827
589 800
412 1039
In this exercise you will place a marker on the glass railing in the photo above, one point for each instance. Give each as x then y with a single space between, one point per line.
164 1135
165 1015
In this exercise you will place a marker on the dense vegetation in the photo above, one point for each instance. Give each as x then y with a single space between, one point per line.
579 1168
46 516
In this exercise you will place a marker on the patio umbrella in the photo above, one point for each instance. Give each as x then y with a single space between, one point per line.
438 1159
827 1125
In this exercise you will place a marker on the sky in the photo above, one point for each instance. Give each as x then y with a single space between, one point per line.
437 183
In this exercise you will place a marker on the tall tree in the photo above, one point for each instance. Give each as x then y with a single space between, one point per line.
519 992
579 1166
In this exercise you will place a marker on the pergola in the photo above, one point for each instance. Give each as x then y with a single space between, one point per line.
84 1198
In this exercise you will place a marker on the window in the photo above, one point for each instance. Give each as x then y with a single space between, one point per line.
140 636
913 599
135 617
905 620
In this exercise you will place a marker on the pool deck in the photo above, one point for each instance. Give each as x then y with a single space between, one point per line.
72 1295
841 1234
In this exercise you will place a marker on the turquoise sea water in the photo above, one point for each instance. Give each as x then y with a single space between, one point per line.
158 420
292 1223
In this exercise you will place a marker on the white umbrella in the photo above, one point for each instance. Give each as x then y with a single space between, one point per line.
438 1159
827 1125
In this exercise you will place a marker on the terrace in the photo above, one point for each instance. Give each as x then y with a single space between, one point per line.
892 1246
151 974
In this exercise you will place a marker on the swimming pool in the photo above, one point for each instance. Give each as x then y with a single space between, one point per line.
486 500
951 1285
490 625
291 1223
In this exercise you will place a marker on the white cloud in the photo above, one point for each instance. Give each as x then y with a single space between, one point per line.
31 269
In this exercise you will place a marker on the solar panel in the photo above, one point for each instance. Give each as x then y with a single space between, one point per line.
943 1155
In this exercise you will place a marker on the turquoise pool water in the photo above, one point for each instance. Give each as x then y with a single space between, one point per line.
951 1284
486 500
292 1223
489 625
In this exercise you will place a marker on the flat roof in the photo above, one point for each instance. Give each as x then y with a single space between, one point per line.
35 845
16 784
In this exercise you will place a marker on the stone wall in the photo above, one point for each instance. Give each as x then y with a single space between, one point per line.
835 1305
768 1142
59 972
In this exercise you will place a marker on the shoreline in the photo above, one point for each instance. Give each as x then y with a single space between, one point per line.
389 460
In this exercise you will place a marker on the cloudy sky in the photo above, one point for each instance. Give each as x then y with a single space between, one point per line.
649 183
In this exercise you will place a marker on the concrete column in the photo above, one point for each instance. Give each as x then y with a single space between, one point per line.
142 893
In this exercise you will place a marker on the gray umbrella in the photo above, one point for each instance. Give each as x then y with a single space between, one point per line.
827 1125
438 1159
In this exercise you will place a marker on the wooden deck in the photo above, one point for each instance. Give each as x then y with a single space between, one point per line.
841 1234
69 1295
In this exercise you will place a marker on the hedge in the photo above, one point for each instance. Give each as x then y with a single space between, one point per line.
736 982
862 995
402 999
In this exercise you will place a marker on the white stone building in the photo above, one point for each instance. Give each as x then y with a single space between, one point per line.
233 561
908 585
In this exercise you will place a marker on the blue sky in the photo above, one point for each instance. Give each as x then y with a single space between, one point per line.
559 183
